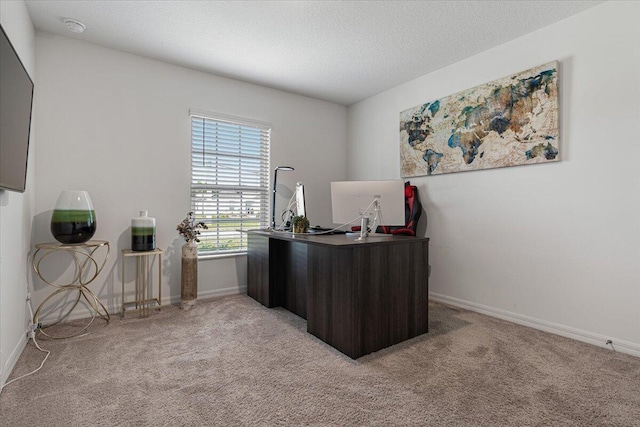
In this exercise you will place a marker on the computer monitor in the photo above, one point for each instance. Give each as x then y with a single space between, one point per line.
300 204
352 200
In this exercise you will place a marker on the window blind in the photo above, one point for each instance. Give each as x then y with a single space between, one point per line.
229 180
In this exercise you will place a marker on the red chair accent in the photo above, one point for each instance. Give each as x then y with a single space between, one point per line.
412 210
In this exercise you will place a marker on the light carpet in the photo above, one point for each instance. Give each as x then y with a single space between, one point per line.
231 361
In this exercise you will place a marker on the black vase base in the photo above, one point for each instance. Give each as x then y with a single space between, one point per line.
143 243
73 233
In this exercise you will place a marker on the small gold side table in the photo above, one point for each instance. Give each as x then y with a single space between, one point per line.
85 259
143 290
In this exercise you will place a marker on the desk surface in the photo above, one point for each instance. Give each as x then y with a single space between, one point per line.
349 239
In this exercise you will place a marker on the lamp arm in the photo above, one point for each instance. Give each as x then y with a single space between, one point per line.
378 216
273 200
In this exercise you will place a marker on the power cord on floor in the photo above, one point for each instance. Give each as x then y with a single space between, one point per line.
33 337
32 334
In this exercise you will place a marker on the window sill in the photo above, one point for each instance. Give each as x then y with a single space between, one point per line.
220 256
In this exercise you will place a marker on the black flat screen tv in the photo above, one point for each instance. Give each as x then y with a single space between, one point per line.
16 100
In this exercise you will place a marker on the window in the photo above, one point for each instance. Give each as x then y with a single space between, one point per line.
229 179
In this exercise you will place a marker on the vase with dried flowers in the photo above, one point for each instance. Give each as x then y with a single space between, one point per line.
189 229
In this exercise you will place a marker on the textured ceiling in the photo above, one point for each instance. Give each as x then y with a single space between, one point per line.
340 51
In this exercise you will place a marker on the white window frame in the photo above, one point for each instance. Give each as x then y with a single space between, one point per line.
248 208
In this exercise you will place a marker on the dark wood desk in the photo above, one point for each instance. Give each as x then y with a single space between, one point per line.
357 296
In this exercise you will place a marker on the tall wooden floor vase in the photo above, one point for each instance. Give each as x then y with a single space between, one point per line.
189 288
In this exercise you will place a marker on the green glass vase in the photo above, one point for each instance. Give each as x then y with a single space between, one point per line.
73 220
143 233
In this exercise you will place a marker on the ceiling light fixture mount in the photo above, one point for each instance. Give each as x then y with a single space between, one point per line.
74 25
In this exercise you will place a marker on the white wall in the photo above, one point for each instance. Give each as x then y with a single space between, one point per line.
117 125
16 211
554 246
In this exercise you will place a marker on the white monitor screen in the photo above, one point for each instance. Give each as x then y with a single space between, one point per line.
351 199
300 205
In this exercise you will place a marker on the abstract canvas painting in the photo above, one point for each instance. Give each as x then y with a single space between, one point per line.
508 122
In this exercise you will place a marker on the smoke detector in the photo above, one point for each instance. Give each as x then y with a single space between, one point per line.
74 25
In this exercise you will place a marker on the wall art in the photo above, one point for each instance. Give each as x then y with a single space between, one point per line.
507 122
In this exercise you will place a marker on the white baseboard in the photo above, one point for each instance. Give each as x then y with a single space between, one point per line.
622 346
234 290
8 365
114 309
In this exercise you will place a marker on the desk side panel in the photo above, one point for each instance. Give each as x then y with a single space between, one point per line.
332 312
362 299
420 263
294 275
408 291
258 269
392 283
401 292
372 283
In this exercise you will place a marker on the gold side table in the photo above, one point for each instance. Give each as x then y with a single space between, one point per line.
86 257
143 287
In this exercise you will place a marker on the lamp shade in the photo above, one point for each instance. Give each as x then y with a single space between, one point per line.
73 220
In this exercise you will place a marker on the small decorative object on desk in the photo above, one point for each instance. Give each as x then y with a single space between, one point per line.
189 229
73 220
300 224
143 232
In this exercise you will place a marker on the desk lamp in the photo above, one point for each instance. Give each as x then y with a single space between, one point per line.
273 201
